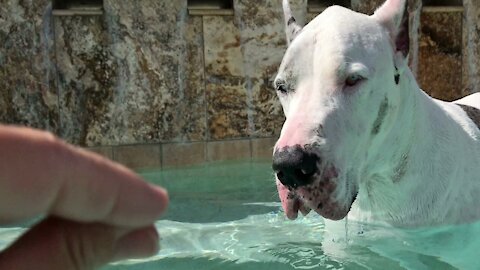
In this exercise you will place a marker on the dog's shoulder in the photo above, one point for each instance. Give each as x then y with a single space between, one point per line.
472 113
471 106
472 100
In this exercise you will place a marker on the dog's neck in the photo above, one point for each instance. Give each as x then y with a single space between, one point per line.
395 166
401 125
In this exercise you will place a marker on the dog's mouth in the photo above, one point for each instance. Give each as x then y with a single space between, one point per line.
320 196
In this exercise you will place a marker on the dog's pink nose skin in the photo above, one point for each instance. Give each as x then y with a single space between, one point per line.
294 132
295 166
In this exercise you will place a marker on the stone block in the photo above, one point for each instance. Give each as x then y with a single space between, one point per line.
192 118
471 47
262 148
138 156
262 36
366 6
223 55
87 76
229 150
28 94
105 151
131 76
440 54
183 154
227 108
267 112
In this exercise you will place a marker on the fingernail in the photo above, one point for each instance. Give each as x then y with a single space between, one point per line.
138 244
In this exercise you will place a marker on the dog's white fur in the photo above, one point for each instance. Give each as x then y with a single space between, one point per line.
416 162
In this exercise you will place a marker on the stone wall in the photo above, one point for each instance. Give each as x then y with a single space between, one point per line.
28 88
151 72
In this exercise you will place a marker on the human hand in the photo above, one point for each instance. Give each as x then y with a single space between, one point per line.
96 210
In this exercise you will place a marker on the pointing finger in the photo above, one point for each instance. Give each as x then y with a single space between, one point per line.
39 174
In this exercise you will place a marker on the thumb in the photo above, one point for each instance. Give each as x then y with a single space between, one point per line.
60 244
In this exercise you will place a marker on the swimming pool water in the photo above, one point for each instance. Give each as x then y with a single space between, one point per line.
228 216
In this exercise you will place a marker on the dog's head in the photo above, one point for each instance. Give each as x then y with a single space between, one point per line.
337 82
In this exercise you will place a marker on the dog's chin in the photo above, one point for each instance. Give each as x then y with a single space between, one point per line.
318 197
336 210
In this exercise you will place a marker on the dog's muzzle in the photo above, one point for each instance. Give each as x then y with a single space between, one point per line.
295 166
306 182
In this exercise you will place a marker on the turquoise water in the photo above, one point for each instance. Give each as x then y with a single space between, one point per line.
228 216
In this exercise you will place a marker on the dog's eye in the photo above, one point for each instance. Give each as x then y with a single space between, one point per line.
353 79
281 87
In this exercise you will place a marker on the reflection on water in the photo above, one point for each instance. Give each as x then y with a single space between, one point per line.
217 220
268 241
271 242
255 238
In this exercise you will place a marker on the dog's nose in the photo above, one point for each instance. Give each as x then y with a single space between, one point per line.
295 166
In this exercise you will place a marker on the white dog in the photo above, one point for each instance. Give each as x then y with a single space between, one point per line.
360 137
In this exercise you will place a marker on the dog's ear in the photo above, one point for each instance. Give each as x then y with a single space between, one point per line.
393 15
292 28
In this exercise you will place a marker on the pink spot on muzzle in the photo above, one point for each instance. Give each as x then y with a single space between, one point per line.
293 133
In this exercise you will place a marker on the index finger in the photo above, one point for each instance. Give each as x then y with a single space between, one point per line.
40 174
